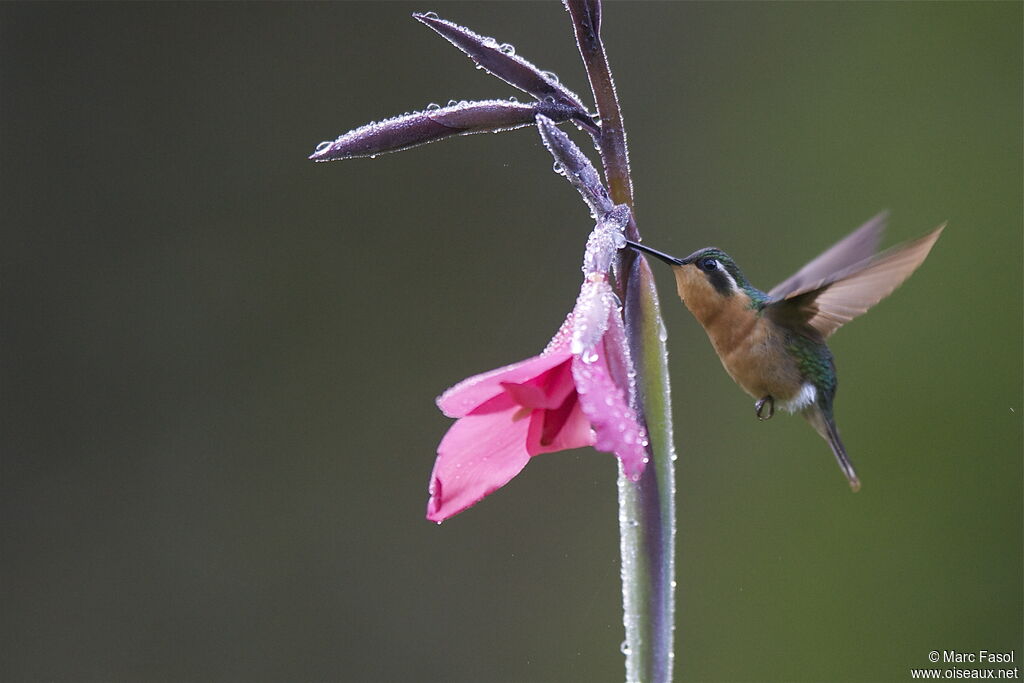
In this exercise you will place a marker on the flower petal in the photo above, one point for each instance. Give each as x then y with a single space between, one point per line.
605 240
616 427
478 455
560 429
474 391
546 391
590 315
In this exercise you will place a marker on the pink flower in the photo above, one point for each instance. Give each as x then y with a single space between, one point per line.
575 393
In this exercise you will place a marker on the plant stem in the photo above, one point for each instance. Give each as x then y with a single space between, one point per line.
647 507
586 16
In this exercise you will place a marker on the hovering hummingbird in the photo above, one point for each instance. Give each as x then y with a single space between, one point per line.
773 344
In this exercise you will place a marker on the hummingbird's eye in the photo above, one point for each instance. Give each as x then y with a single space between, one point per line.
707 264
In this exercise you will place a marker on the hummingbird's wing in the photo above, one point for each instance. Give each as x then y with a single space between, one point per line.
860 244
829 304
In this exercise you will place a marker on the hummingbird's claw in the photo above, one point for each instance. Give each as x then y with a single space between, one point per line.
760 406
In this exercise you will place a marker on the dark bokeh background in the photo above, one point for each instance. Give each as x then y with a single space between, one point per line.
220 360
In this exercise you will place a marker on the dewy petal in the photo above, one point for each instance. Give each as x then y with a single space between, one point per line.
560 342
546 391
473 392
478 455
590 315
559 429
616 427
605 240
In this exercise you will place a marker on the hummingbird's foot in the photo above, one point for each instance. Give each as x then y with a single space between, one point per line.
765 408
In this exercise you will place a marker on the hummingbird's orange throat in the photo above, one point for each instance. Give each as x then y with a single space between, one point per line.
705 302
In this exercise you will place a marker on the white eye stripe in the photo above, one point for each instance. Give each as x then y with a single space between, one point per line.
732 282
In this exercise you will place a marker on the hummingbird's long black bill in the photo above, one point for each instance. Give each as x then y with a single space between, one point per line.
671 260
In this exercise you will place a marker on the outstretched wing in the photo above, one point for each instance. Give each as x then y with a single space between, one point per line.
860 244
829 304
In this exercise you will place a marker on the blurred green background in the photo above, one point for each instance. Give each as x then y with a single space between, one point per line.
220 359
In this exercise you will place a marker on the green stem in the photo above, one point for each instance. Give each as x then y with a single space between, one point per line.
647 507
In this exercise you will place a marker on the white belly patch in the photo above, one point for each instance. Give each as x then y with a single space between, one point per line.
808 394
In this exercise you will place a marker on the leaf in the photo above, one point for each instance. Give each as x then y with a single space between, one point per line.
571 162
430 125
500 60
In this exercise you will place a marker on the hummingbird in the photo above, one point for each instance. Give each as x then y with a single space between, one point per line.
773 344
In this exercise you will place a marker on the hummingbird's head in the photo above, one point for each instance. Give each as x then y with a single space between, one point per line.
710 273
708 280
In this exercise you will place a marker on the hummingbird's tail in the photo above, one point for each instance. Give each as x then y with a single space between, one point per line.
826 426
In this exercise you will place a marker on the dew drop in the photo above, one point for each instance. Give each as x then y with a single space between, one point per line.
433 106
373 156
550 77
507 49
558 168
323 146
624 648
662 331
513 98
431 15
